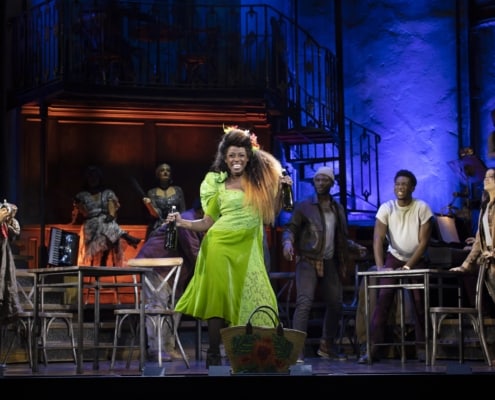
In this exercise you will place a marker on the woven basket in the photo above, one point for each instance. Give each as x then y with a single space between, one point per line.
255 349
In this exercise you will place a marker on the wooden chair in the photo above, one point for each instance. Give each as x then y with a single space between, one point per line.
349 315
51 312
283 283
474 314
22 328
157 315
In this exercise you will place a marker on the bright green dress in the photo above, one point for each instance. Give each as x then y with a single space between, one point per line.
230 278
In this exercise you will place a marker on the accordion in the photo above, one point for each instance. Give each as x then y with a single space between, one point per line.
63 249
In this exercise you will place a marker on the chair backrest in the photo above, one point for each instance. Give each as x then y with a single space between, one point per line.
50 298
171 279
25 288
480 284
355 290
168 282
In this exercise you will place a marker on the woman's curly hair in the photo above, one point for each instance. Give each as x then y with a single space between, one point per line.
262 173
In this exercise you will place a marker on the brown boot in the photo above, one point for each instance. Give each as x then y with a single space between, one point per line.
326 350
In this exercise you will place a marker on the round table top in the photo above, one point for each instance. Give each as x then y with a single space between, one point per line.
155 262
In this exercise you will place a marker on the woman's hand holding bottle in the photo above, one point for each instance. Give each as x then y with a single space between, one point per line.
174 216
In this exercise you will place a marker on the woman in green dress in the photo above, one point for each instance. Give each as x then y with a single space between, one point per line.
240 194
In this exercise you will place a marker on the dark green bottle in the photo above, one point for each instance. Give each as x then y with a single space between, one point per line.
170 242
287 195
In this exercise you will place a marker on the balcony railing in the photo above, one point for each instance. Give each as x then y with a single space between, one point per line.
154 50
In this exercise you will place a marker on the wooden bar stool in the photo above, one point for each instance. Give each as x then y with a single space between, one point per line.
159 315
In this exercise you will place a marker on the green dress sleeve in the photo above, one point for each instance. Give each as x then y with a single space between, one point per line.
209 190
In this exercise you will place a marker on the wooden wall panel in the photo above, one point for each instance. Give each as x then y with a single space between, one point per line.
126 144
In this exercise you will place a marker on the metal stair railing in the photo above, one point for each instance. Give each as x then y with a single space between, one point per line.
161 51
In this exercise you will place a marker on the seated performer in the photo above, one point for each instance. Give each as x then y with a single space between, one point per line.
188 243
160 199
100 232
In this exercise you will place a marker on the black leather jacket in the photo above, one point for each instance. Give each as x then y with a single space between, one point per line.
306 231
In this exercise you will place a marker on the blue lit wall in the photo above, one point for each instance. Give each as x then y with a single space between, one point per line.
405 77
401 81
483 67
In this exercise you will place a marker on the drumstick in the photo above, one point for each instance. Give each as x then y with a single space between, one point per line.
138 187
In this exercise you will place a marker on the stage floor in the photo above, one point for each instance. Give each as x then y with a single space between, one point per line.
386 378
313 366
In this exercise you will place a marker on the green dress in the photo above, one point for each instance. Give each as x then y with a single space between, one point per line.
230 278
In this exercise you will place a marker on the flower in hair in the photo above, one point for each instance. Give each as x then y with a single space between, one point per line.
254 139
228 128
254 142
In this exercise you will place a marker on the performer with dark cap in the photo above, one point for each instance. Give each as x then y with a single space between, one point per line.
317 231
